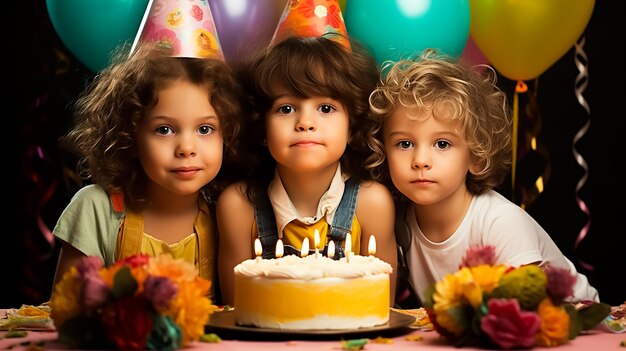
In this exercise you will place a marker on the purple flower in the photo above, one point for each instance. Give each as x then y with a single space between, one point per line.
88 265
479 255
159 291
94 292
508 326
560 283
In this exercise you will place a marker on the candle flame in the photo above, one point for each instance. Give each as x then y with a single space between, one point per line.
305 248
371 247
331 249
258 249
316 238
280 249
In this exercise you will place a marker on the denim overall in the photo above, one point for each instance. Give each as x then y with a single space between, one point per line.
341 225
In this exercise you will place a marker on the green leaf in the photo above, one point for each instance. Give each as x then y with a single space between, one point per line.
428 296
81 331
575 326
593 315
354 344
124 283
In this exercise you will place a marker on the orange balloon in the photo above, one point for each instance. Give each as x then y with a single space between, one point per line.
523 38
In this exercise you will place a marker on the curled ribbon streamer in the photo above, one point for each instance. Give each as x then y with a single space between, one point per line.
580 59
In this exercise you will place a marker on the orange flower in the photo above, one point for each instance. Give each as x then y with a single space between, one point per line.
555 321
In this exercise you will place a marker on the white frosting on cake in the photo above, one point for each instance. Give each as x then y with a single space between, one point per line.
311 267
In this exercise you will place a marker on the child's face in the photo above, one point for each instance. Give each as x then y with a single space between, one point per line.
428 158
306 134
179 141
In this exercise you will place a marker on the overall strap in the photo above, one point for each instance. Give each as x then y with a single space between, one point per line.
266 226
131 231
203 226
342 220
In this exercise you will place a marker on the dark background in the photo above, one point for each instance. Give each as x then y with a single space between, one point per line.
44 78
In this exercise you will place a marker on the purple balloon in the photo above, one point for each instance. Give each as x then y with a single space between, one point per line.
244 26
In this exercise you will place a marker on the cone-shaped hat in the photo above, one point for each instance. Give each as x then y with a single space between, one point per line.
181 28
312 18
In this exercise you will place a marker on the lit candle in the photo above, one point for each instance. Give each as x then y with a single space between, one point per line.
280 249
331 249
371 247
348 247
304 252
316 242
258 249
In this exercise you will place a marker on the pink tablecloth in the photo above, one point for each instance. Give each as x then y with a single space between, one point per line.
596 341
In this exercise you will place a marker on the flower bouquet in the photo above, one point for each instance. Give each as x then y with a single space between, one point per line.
493 305
140 302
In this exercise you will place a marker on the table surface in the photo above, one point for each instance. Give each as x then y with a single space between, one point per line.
406 339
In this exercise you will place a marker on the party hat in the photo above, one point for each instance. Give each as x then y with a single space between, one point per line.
181 28
312 18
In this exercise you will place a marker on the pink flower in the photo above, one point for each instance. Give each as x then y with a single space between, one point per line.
560 283
95 292
479 255
508 326
88 265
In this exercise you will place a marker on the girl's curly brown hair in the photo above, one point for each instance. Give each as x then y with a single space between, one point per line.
111 107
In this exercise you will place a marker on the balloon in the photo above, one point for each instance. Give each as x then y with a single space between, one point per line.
92 29
395 29
245 25
472 54
523 38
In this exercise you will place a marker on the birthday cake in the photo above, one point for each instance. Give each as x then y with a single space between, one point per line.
312 293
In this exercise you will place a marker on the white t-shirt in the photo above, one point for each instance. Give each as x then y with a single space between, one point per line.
490 220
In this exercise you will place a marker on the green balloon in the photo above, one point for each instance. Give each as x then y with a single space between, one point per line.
92 29
399 29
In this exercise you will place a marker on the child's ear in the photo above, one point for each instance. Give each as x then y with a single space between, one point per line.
475 168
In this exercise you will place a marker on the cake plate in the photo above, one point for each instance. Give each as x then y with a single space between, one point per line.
223 324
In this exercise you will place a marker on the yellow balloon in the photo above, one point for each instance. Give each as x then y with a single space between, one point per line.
523 38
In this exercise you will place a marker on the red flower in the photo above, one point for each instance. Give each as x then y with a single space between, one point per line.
196 12
508 326
127 322
134 261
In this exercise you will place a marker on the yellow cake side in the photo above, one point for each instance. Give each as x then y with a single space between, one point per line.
326 303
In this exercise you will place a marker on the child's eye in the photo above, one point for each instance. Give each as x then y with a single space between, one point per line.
285 109
206 129
442 144
326 108
164 130
404 144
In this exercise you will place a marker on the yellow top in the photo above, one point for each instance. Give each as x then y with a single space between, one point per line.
186 249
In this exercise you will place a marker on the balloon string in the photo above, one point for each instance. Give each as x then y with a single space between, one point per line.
514 141
580 85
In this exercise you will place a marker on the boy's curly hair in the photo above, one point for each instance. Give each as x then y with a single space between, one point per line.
111 107
456 92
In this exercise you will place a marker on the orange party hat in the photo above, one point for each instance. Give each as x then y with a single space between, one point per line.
181 28
312 18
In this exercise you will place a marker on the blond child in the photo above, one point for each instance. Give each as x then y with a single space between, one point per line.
446 132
